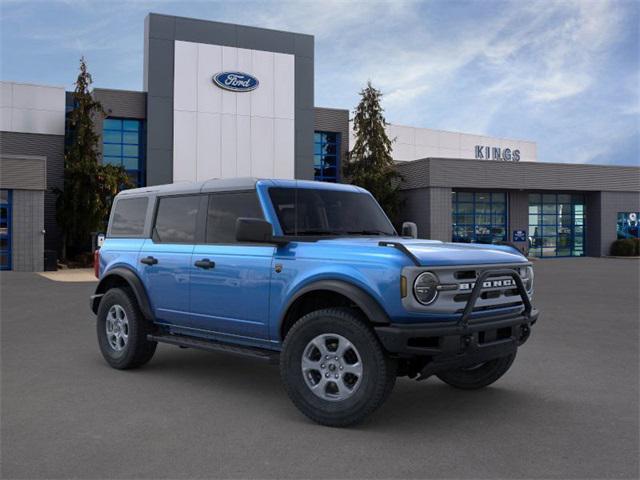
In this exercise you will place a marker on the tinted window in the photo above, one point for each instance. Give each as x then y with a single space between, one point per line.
224 210
128 217
328 212
176 219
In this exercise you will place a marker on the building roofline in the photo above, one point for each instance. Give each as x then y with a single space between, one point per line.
561 164
487 174
30 84
227 23
462 133
331 108
116 90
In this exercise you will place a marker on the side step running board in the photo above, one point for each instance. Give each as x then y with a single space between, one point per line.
215 346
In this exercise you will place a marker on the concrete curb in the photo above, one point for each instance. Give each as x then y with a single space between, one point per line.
70 275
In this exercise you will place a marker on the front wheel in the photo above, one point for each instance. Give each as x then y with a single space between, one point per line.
478 376
334 369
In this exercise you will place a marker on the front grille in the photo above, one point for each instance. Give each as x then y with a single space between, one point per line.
497 293
493 307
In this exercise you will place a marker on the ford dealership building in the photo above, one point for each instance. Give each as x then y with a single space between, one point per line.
222 100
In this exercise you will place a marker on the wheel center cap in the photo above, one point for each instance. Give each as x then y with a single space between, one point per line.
332 367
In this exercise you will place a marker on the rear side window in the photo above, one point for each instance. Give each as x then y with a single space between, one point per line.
176 219
224 210
128 217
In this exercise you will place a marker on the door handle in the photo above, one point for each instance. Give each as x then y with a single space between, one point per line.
205 263
149 260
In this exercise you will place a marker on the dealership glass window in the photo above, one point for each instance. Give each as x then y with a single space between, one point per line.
326 156
5 229
556 225
627 225
479 217
123 145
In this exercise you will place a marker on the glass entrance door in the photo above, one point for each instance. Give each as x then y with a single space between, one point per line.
5 229
479 217
556 225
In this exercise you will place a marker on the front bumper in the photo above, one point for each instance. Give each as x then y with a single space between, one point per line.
494 334
466 342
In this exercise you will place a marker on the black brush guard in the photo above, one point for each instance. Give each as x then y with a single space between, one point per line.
468 341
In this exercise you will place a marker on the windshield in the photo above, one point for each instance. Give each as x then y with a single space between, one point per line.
306 211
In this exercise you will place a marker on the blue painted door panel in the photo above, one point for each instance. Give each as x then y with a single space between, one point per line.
167 282
233 297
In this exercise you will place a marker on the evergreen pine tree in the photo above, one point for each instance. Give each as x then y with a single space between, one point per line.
369 163
89 187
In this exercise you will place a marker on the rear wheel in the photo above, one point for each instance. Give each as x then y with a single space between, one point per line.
334 368
478 376
122 331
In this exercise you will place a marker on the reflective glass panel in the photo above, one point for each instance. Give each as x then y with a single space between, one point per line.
326 156
559 231
479 217
123 145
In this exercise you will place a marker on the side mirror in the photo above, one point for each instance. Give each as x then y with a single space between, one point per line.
255 230
409 229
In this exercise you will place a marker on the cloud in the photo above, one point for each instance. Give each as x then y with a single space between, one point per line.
562 73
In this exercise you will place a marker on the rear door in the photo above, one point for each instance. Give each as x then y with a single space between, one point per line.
230 281
165 258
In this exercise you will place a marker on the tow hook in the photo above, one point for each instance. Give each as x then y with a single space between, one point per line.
525 331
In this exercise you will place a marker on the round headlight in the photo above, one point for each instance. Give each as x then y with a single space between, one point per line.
425 288
528 283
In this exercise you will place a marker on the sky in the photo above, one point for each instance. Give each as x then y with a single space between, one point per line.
565 74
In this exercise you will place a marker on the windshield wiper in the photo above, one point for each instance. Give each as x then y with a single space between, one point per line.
343 232
319 232
370 232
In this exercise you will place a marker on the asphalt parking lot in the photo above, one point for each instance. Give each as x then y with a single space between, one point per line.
567 409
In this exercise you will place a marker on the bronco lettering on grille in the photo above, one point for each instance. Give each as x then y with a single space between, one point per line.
488 284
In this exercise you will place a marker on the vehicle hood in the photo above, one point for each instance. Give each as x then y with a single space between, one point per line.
436 253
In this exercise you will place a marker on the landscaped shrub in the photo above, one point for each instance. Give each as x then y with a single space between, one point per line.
628 247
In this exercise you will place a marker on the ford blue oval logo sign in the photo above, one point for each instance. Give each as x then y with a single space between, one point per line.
236 81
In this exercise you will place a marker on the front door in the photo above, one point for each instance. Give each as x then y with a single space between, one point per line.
164 260
230 281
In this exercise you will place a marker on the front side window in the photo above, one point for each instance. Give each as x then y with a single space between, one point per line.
224 209
128 217
328 212
176 219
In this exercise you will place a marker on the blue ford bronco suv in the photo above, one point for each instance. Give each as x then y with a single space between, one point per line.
313 276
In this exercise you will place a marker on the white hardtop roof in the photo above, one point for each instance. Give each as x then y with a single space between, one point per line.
230 184
212 185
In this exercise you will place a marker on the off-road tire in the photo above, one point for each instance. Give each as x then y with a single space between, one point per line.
379 371
138 350
480 377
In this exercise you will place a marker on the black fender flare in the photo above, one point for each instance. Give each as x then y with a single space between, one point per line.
363 300
132 280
